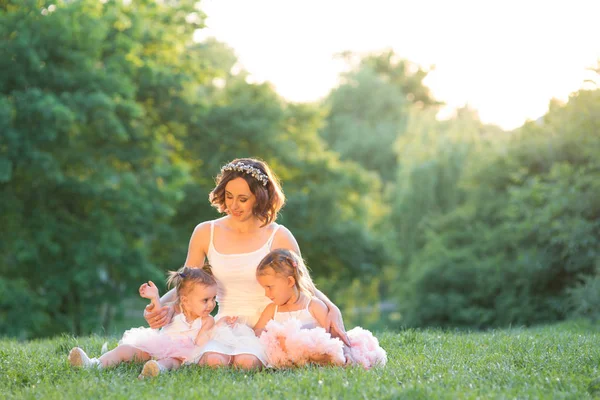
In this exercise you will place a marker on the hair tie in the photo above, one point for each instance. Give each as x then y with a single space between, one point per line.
182 275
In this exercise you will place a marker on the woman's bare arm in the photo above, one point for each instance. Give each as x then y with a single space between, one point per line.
197 250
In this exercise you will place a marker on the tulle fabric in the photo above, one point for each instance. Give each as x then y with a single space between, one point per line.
175 340
159 345
288 345
365 349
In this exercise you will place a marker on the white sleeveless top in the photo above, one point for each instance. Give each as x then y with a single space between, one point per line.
238 291
306 319
180 327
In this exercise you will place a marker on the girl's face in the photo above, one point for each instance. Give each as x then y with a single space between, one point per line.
278 288
239 200
200 301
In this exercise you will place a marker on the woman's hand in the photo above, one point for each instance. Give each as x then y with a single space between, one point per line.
157 318
348 354
335 325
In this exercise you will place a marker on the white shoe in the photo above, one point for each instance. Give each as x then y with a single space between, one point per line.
78 358
151 369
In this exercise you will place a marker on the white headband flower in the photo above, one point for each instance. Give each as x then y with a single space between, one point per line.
247 169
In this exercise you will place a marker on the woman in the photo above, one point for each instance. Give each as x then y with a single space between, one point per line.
251 196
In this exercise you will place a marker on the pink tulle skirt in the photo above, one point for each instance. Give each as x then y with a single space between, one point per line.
288 345
365 349
160 345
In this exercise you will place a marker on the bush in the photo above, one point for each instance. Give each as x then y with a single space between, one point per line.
584 298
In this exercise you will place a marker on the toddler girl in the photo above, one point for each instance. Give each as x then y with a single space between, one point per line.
291 327
180 341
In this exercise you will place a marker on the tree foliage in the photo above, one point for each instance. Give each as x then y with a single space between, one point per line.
87 162
527 233
113 124
369 110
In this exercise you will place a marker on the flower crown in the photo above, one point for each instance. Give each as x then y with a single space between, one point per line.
247 169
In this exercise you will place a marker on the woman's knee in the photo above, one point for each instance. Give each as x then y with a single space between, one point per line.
215 360
247 361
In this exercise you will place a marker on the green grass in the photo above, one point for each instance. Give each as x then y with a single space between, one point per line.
553 362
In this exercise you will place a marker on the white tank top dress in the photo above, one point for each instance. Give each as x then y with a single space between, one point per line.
238 294
306 319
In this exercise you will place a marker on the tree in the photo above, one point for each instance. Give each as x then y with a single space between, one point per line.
113 125
89 97
433 157
523 244
369 110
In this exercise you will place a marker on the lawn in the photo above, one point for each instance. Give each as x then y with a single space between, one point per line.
558 361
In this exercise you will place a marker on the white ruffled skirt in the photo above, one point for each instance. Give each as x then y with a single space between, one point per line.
235 340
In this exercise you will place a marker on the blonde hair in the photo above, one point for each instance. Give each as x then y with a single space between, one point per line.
287 263
185 278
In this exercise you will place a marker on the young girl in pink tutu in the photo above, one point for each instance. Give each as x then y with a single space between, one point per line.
291 327
181 341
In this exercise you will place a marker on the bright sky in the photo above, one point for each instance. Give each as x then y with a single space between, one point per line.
505 58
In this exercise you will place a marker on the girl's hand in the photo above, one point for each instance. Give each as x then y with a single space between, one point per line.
149 290
335 325
157 317
227 321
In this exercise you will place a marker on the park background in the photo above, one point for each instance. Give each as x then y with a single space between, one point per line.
114 122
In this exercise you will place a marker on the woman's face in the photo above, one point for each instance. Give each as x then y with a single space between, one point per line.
200 301
279 289
239 200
